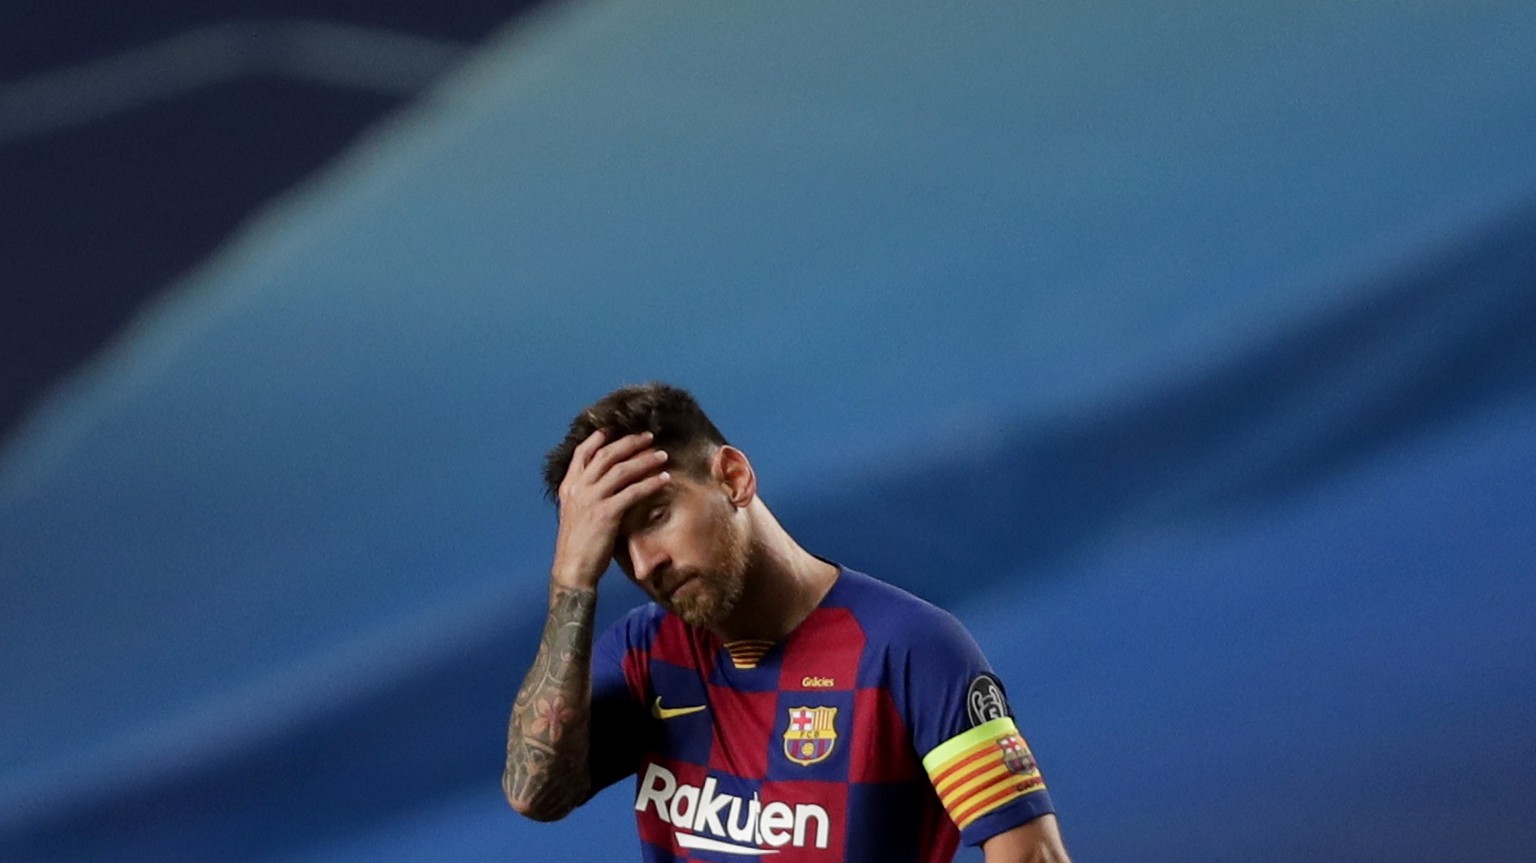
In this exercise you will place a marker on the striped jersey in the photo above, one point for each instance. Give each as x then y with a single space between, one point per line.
875 731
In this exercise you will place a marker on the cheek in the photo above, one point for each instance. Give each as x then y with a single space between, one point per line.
726 539
692 537
692 540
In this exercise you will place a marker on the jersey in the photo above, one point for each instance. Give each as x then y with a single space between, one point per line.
875 731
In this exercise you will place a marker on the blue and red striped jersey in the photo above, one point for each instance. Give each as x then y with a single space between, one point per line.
875 731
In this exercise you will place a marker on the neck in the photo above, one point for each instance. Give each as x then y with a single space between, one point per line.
784 583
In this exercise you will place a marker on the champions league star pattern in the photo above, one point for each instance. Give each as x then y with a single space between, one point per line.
873 732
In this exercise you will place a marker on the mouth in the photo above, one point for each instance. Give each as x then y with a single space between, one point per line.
676 588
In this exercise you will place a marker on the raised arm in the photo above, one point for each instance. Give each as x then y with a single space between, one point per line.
549 734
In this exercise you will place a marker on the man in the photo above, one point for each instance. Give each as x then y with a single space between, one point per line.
770 702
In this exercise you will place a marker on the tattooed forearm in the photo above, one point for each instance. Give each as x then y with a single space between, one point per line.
547 737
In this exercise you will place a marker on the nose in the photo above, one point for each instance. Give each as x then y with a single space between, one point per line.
646 559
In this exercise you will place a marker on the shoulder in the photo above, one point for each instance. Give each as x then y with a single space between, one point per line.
922 656
898 619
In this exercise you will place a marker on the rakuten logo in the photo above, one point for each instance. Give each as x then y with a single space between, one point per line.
712 818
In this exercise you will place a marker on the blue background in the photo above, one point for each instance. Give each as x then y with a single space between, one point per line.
1185 352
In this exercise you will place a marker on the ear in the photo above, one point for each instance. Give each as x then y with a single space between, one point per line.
731 469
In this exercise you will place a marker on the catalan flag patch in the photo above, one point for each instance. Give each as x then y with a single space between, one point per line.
982 769
748 652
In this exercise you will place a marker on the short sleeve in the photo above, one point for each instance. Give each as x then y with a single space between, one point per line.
618 717
963 727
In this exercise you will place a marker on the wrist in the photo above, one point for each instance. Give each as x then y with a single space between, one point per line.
576 569
564 582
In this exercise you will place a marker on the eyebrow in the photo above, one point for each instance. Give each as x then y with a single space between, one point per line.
642 506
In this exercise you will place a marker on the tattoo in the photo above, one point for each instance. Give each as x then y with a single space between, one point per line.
547 736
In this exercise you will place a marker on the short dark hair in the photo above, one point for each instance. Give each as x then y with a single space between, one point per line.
670 413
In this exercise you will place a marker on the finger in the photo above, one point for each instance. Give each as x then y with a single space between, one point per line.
635 467
616 452
584 450
640 490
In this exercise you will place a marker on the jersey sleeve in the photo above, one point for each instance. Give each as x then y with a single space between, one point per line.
618 715
963 727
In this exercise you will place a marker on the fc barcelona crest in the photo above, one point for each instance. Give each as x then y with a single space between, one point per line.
1016 755
810 735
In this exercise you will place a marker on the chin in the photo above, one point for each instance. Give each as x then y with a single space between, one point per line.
704 604
696 613
694 617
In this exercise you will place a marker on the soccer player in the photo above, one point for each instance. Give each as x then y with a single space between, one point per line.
769 702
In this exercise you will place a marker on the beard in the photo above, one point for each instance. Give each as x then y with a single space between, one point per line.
710 593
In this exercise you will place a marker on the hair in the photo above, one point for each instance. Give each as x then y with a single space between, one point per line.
670 413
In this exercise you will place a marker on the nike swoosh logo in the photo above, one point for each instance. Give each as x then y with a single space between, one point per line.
672 712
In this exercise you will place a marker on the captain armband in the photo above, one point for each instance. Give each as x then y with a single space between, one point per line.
982 769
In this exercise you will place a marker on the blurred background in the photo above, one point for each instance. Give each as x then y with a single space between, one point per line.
1187 353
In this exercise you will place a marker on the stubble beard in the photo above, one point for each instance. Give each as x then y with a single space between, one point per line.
713 593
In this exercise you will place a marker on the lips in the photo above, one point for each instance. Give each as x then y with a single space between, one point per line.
677 586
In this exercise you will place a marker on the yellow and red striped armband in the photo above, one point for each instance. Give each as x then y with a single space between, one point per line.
982 769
